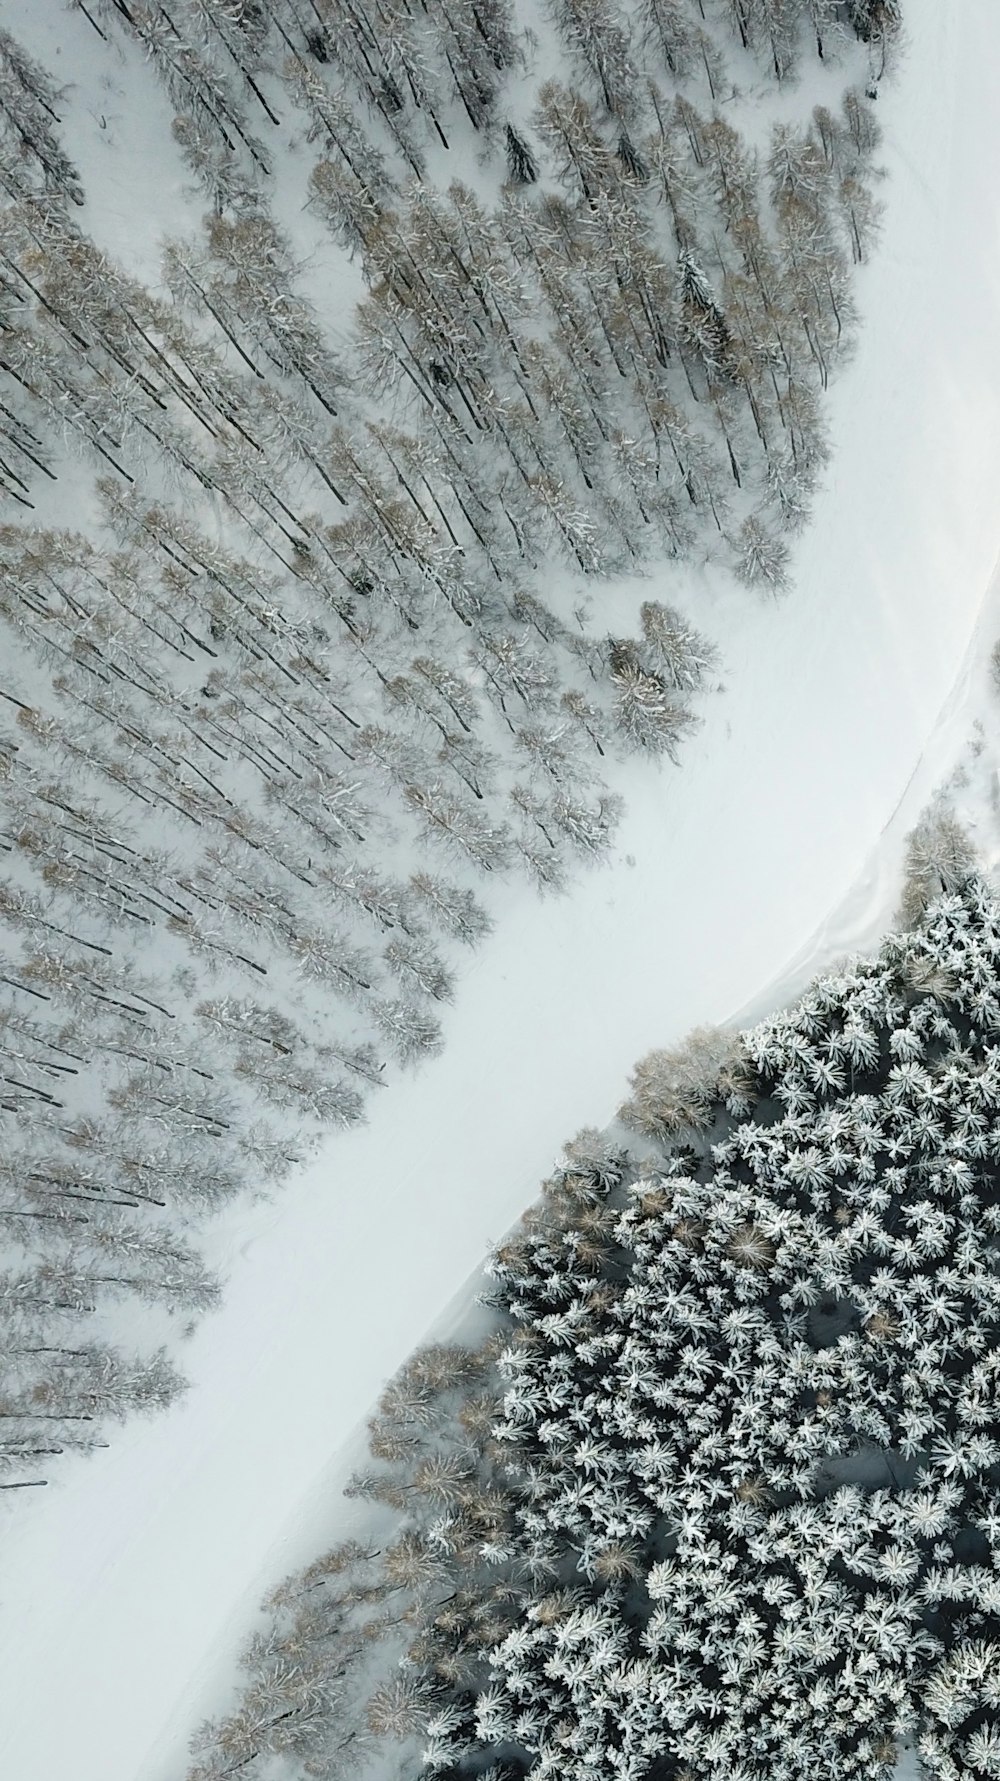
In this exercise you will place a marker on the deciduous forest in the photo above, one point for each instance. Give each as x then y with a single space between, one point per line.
305 663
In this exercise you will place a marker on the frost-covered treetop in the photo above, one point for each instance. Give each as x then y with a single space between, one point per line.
752 1421
717 1495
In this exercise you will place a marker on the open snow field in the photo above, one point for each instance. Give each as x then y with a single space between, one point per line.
125 1586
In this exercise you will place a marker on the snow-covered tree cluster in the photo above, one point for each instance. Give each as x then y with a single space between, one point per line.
719 1496
604 340
326 1693
297 657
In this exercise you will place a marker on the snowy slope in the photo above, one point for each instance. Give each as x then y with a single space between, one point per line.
123 1591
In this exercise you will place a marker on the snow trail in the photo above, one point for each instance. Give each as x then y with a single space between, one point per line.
125 1586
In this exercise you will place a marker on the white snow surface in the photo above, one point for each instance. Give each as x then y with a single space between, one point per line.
125 1587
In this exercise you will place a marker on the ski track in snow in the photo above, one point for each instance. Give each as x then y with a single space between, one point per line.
125 1587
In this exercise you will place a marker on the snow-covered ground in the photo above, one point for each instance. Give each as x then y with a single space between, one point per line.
124 1588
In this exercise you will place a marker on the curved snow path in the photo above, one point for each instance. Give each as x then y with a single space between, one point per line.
124 1587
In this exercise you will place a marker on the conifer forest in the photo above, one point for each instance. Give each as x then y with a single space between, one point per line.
716 1495
425 426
